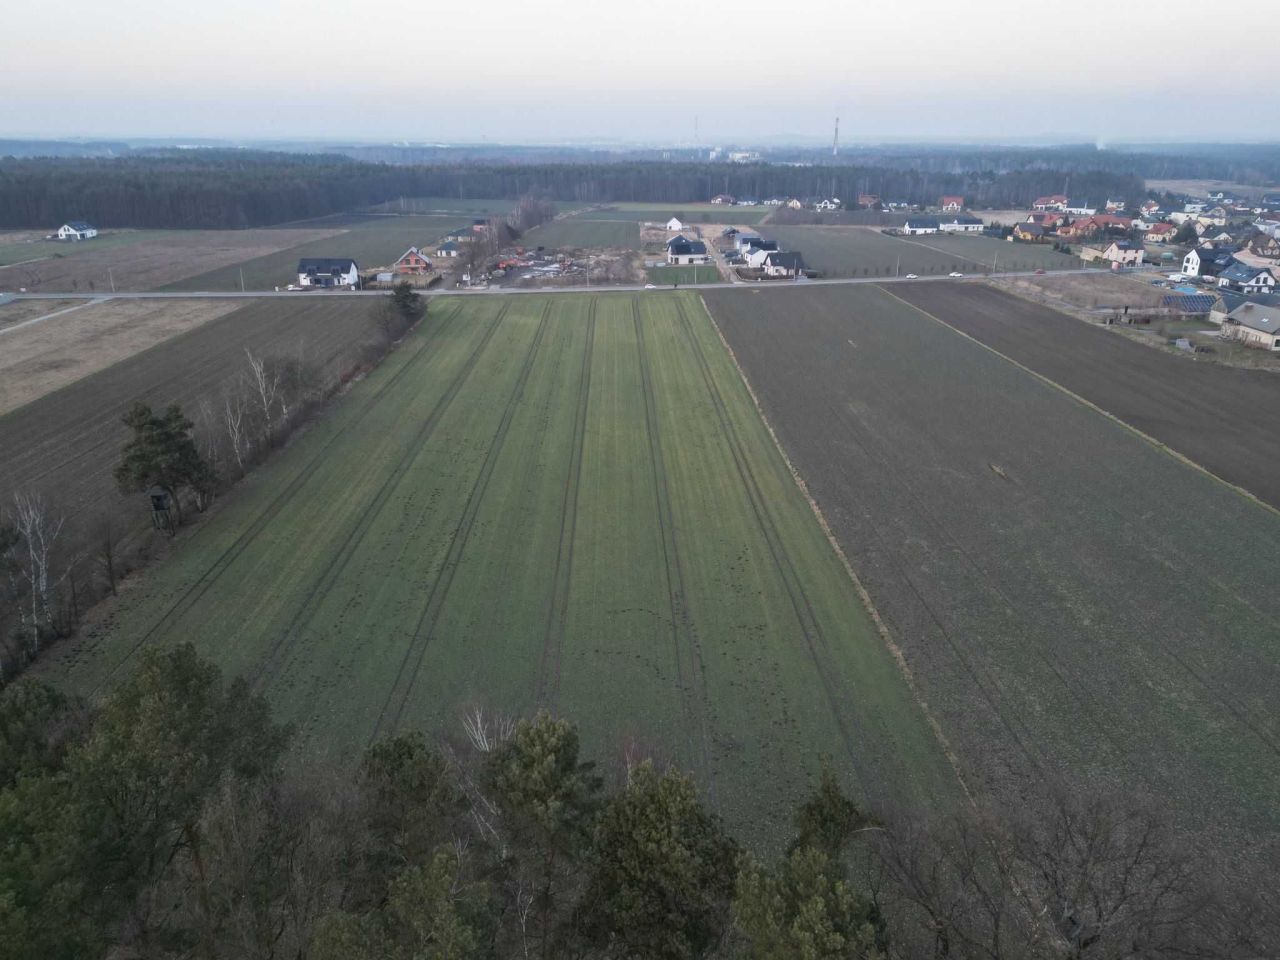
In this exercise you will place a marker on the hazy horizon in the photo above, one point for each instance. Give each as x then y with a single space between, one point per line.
926 70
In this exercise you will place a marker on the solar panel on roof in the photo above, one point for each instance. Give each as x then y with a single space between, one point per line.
1191 303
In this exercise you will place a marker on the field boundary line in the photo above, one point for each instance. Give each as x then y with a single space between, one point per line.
439 593
341 556
557 611
1158 444
676 594
229 555
49 316
882 628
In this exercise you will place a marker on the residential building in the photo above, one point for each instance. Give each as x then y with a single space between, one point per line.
775 201
1195 206
1265 246
951 204
919 225
1080 208
960 225
412 262
1207 261
1160 233
867 199
1268 223
1247 279
1046 219
1113 204
748 202
77 230
1028 233
674 224
780 264
328 272
722 198
1056 201
683 251
1119 252
827 203
1255 325
757 251
447 249
1149 209
746 238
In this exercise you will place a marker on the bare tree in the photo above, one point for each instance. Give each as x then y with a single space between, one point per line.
106 547
38 531
265 380
233 420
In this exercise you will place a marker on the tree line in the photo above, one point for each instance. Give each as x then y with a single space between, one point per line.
222 189
51 572
164 822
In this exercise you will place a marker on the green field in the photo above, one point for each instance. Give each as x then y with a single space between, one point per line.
565 501
667 276
478 207
39 249
856 251
574 233
374 241
687 213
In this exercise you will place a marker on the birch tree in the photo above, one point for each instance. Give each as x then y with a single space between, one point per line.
38 531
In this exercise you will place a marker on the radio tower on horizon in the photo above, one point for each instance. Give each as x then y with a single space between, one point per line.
835 143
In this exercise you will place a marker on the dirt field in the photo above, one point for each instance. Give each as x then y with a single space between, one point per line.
66 443
1072 600
1088 291
1220 417
1199 188
42 357
151 260
17 311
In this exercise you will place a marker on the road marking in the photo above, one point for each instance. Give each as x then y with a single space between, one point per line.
50 316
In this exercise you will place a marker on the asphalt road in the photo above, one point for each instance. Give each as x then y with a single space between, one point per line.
485 291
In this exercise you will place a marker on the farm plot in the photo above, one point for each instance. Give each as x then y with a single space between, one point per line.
476 207
1222 418
66 443
146 259
572 233
859 251
373 241
667 276
1072 600
76 340
560 501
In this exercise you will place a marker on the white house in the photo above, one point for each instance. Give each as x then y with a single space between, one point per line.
674 224
328 272
825 203
1080 208
1124 252
1247 279
920 225
756 253
447 249
960 225
789 264
683 251
77 230
745 239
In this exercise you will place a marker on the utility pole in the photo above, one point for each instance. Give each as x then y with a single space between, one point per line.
835 143
111 279
242 279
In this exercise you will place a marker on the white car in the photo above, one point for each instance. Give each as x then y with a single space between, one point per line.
911 276
955 273
650 286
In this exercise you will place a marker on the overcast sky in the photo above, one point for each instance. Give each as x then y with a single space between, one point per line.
540 70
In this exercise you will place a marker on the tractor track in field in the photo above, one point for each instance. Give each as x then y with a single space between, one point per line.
429 618
558 610
693 691
815 640
341 556
193 593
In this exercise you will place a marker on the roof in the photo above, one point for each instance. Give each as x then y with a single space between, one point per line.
1126 245
1257 316
923 222
681 246
790 260
678 239
1032 228
1161 228
412 250
967 220
766 245
1242 273
329 265
1230 300
448 245
1190 303
952 198
79 225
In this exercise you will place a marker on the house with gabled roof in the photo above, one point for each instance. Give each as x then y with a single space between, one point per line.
951 204
1207 261
413 262
448 249
722 198
683 251
787 263
77 230
1028 232
1247 278
1160 233
1056 201
328 272
920 225
1265 246
1254 325
960 225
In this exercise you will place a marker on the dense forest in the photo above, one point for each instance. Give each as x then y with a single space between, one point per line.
166 822
228 189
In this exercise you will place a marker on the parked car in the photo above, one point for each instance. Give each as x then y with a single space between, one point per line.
911 276
1040 272
955 273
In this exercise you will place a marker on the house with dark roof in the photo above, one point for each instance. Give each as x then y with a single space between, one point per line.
1254 325
960 225
1247 279
755 253
328 272
783 264
448 249
77 230
1028 232
1265 246
1189 304
1207 261
681 250
722 198
919 225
